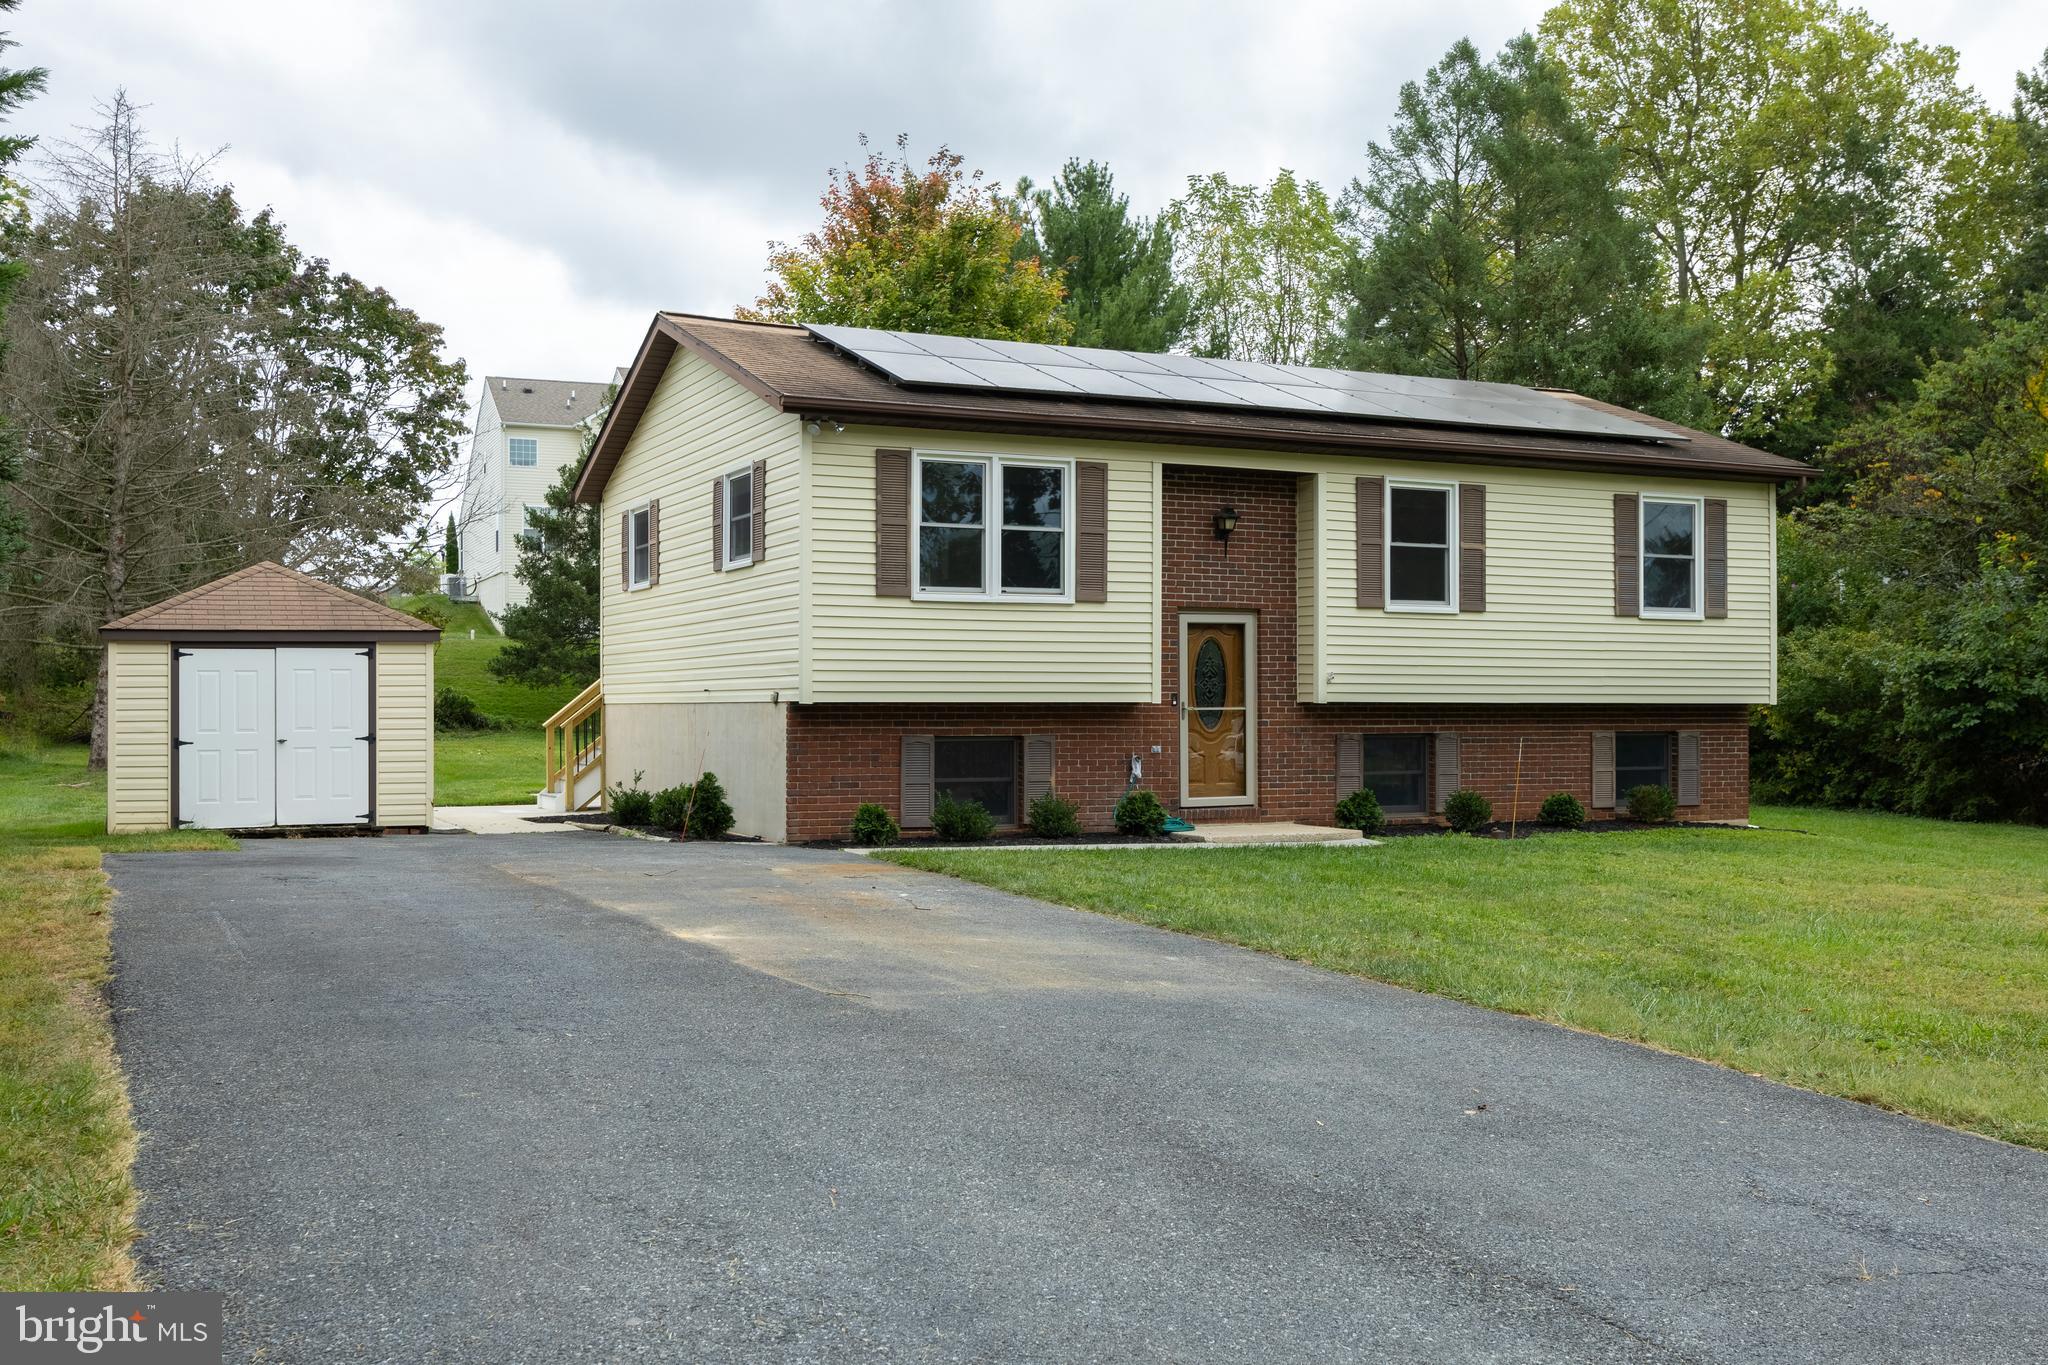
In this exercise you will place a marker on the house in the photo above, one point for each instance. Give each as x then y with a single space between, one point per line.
842 566
269 698
526 431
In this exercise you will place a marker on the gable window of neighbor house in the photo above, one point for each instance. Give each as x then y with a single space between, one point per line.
1671 558
983 770
1421 565
989 526
1641 760
739 518
1397 772
525 451
639 551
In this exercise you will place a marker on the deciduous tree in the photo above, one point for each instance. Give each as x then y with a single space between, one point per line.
1262 267
923 250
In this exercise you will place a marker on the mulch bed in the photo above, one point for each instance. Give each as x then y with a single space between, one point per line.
1006 841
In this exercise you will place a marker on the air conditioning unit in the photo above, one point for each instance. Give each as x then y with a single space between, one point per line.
454 588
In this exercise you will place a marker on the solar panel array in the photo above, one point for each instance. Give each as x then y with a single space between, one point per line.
1081 372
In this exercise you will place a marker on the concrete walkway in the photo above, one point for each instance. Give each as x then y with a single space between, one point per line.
498 820
525 1099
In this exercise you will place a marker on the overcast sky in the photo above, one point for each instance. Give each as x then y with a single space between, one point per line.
538 178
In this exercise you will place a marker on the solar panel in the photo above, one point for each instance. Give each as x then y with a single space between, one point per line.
914 358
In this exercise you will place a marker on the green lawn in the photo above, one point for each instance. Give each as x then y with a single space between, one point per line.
67 1208
495 768
1898 961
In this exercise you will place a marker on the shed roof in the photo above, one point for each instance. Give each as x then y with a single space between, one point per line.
793 371
544 402
267 601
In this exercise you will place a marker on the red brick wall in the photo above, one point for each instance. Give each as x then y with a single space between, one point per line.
842 754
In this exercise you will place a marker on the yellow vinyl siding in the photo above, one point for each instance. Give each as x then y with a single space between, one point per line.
1307 531
700 635
867 648
405 734
1549 632
138 736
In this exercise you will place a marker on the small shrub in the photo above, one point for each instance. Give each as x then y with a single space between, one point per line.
669 807
1468 811
630 805
1140 813
455 710
1561 810
1651 803
1052 816
962 822
1361 811
433 613
711 814
873 826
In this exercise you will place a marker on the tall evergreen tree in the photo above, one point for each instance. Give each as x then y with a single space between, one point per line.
1494 245
1117 267
451 548
17 86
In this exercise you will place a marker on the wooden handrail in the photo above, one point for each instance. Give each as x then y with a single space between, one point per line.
575 742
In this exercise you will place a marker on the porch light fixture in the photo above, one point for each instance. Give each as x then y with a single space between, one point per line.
1225 522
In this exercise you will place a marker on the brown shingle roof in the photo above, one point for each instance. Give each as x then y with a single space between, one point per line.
794 372
269 600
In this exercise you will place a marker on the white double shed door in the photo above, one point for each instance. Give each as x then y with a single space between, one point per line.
273 736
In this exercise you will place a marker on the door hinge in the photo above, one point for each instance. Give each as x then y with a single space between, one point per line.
179 824
366 653
366 739
180 743
181 653
364 817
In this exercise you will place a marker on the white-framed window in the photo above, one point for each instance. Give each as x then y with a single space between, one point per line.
530 532
993 527
739 518
1422 546
639 548
525 451
1671 560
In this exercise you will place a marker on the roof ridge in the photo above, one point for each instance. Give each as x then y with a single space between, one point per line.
294 579
737 322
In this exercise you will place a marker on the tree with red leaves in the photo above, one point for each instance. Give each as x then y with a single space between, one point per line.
919 250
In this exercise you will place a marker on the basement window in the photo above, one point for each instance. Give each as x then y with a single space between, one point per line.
1397 772
979 769
1641 760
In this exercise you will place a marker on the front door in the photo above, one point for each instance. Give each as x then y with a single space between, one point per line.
1218 724
227 737
323 736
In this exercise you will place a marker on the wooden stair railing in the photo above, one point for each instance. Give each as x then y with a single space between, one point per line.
575 741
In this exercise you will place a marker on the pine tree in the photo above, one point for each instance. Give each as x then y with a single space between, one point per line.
16 88
1495 246
451 548
1117 267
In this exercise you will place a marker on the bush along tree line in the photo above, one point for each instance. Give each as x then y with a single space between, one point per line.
1777 220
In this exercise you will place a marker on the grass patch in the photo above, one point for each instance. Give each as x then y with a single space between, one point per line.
1897 961
489 769
67 1205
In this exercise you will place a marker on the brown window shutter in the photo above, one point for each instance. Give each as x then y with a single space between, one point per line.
1717 556
1350 764
1038 757
718 524
1628 569
1091 530
1471 547
760 509
1688 767
654 542
626 551
1603 769
915 808
1447 768
892 526
1372 510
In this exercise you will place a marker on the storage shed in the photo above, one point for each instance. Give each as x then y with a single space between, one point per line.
269 698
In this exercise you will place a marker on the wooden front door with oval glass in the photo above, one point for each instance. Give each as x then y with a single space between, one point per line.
1218 724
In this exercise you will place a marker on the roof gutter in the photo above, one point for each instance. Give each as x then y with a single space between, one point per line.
1490 450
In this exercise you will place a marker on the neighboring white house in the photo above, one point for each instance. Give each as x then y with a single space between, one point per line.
526 430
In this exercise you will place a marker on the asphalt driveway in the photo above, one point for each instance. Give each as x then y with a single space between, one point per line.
573 1098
